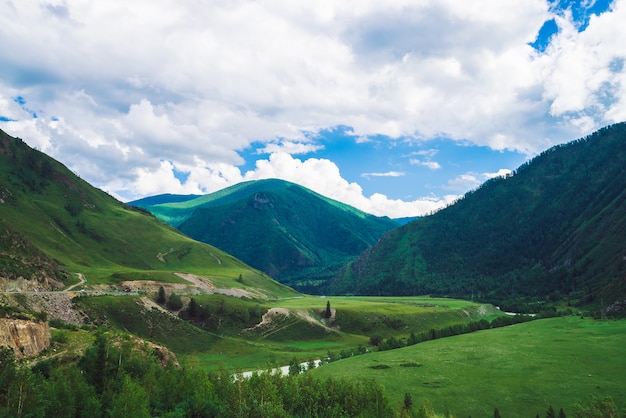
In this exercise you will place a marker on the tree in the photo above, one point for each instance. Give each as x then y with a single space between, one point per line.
375 340
294 367
161 296
496 413
328 313
192 308
561 413
596 407
132 401
408 402
550 412
175 303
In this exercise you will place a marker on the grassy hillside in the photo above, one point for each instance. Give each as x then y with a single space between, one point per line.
553 229
287 231
520 369
247 334
53 224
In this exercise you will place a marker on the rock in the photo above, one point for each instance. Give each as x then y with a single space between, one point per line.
27 338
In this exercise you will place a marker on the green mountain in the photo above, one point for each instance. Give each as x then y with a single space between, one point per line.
291 233
555 228
53 224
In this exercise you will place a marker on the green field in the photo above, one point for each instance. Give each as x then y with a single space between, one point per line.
520 369
219 336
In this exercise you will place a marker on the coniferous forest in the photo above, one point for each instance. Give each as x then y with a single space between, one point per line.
119 377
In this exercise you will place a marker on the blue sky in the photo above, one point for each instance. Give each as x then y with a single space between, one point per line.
397 108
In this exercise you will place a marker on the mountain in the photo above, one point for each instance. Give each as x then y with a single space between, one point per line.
555 227
288 231
53 225
404 221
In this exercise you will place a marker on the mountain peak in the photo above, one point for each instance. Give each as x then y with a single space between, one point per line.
286 230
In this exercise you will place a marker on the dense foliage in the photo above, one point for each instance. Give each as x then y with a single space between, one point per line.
553 228
287 231
118 377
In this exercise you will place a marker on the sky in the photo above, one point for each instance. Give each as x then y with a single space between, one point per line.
395 107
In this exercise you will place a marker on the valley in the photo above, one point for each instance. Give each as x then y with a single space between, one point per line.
409 319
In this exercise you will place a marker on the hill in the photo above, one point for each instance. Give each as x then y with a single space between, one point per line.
53 224
285 230
553 228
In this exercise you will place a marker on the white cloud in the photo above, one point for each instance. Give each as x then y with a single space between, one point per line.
289 147
433 165
469 181
385 174
464 182
323 177
121 87
503 172
319 175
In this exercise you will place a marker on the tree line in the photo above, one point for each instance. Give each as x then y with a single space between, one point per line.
119 377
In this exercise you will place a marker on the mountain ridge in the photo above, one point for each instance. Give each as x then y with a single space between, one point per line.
553 227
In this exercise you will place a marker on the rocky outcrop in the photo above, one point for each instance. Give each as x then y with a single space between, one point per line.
26 338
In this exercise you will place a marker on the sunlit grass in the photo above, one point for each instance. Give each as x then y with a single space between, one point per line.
520 369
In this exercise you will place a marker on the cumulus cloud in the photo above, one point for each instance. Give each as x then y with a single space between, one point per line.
290 147
323 177
130 93
385 174
469 181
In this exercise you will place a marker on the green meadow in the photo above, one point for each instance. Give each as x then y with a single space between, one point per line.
223 333
520 369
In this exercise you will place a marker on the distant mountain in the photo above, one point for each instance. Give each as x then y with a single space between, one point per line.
53 224
165 198
556 227
404 221
290 232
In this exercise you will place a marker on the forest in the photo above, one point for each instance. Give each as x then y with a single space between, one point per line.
120 377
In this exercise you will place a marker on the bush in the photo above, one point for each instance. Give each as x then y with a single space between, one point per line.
58 323
59 337
175 303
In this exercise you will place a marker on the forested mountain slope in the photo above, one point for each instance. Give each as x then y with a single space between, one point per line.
53 224
291 233
557 226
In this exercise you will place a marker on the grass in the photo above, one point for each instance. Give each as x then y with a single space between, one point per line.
50 215
520 369
393 316
296 337
215 338
127 313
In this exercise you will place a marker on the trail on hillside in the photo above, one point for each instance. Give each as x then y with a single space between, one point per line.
81 282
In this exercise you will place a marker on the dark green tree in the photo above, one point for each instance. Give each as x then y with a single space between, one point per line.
192 309
562 413
408 402
496 413
131 401
175 303
161 296
550 412
294 367
7 371
328 313
375 340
